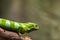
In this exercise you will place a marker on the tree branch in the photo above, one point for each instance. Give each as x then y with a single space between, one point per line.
12 35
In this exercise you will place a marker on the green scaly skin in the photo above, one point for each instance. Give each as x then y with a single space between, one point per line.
20 28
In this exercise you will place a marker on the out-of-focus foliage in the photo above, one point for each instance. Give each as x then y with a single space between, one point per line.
46 13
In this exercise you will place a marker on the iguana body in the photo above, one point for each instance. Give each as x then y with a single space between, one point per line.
20 28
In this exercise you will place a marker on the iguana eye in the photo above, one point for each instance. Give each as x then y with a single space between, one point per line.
36 26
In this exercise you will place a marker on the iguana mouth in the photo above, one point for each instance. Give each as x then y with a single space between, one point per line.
32 29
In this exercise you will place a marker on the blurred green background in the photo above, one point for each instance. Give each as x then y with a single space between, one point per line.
46 13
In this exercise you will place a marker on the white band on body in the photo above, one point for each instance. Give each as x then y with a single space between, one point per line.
16 25
7 23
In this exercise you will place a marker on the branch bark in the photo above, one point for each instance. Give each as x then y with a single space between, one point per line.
12 35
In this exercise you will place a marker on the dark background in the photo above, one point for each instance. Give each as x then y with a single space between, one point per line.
46 13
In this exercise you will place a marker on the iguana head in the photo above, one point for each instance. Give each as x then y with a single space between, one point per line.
32 27
28 27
